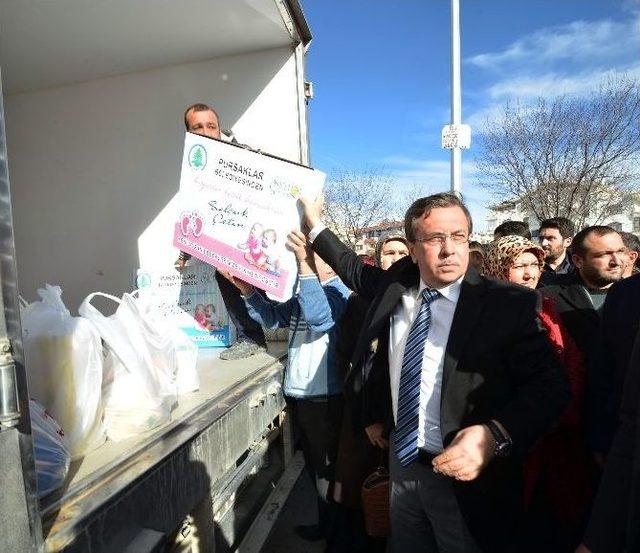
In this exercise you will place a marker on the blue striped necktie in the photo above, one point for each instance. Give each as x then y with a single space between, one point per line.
405 439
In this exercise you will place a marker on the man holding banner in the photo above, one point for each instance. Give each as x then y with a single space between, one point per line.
203 120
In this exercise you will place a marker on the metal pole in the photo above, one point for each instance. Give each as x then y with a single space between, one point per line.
19 509
456 96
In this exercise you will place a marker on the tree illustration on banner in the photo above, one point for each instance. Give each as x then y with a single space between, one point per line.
196 160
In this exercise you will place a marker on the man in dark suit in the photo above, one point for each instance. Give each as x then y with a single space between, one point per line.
599 257
608 370
465 372
616 510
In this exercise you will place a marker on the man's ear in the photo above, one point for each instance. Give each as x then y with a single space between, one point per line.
411 246
577 261
567 242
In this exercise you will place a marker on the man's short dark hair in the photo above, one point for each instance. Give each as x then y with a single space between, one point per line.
564 226
198 107
422 207
631 241
511 228
577 244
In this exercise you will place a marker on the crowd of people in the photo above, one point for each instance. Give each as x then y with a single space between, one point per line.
500 383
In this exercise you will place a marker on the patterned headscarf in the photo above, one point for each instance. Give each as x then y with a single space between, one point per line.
390 237
503 252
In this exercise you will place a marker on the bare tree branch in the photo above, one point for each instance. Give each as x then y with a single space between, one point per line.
355 200
571 157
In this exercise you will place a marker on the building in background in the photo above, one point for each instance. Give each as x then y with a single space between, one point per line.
369 235
624 216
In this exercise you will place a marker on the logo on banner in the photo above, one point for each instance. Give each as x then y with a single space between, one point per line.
198 157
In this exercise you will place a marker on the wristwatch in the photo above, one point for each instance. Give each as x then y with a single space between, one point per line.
502 439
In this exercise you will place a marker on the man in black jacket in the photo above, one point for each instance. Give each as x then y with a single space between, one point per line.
467 374
599 257
616 511
555 236
608 370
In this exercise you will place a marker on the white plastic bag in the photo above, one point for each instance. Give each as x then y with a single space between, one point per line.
64 368
51 450
140 368
187 354
187 378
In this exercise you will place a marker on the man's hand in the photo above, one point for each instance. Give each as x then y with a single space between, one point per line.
374 433
244 287
582 548
312 210
469 452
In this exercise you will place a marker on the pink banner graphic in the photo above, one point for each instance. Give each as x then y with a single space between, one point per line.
240 263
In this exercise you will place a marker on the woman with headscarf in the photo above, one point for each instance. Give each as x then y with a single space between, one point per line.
359 453
557 488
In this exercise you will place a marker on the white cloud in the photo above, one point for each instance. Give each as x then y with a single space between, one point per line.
552 84
418 177
427 171
478 119
589 42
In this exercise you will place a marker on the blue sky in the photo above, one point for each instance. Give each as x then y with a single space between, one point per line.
381 73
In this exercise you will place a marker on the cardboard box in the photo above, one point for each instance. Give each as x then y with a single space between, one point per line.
191 300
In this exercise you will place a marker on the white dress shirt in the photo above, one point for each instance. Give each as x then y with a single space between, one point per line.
442 310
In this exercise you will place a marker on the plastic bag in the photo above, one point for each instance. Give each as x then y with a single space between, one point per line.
187 378
51 450
140 368
64 368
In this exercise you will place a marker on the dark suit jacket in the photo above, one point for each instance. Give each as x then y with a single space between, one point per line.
498 364
615 518
608 370
577 312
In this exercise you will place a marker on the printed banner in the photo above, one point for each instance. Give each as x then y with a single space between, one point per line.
236 209
190 300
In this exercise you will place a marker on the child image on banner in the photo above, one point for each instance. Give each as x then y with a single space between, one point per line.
200 316
213 322
261 249
207 318
202 300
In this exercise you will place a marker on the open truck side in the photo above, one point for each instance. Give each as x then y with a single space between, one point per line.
90 142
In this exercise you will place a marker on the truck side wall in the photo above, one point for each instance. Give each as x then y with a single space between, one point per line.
93 165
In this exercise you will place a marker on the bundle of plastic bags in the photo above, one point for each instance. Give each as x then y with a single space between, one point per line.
119 391
64 368
140 367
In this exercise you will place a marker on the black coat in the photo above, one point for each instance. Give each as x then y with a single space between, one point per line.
608 369
615 517
577 312
498 365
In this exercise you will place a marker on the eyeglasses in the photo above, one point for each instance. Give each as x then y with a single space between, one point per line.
522 266
439 238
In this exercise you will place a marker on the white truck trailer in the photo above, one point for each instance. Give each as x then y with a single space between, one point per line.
91 134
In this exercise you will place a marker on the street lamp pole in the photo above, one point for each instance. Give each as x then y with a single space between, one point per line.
456 97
